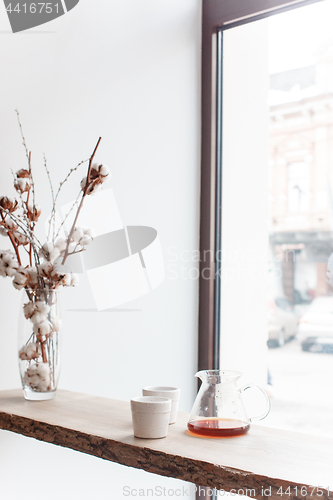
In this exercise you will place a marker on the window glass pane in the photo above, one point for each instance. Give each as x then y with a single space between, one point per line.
245 223
277 212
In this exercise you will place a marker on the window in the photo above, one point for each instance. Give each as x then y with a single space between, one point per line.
300 198
217 14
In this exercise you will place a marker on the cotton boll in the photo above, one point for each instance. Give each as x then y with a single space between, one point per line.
9 258
32 275
104 170
54 254
43 385
3 268
95 189
43 370
42 307
78 234
59 270
10 272
46 250
22 185
17 285
89 232
105 179
85 240
66 280
8 203
22 273
47 247
100 171
43 328
38 318
23 174
33 212
30 351
11 224
29 309
38 377
30 377
99 174
60 274
21 238
61 244
20 279
74 279
8 263
6 270
45 269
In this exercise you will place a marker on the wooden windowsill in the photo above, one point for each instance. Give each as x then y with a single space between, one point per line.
266 460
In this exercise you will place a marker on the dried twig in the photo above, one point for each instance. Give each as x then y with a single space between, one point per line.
28 155
23 138
52 216
68 214
81 202
72 170
51 187
27 230
49 178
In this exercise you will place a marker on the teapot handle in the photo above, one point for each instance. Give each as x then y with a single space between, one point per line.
268 401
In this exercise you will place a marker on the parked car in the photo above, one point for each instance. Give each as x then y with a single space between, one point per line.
282 321
315 330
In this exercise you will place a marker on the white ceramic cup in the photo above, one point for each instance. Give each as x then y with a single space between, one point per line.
150 416
165 392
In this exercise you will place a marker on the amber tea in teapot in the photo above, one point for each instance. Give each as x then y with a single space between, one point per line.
218 427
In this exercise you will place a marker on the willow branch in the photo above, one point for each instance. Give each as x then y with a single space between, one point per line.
52 194
28 155
52 216
68 214
23 138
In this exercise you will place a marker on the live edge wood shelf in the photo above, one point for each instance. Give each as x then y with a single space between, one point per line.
272 463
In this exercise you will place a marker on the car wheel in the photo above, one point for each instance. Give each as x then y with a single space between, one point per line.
307 346
281 338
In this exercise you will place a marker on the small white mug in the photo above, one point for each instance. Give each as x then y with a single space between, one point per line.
165 392
150 416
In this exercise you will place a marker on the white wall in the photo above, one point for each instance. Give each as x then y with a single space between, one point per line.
128 71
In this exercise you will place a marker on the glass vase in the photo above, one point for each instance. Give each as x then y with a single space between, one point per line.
39 343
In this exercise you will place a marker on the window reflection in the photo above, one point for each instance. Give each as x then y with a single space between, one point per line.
301 224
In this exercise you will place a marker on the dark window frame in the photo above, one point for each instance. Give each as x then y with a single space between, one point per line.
217 16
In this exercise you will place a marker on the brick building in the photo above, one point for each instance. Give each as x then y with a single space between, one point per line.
301 175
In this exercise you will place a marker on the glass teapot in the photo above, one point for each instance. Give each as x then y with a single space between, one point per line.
218 409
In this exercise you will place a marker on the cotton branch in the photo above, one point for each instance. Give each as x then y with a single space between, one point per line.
81 202
13 242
